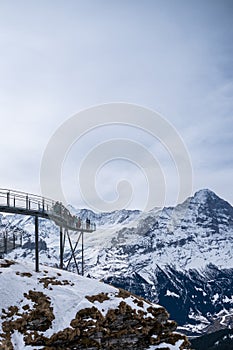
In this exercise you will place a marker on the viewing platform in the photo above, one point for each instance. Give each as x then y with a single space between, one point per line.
17 202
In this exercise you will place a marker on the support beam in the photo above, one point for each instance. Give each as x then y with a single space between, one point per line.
82 254
13 241
36 244
61 248
76 244
5 242
72 251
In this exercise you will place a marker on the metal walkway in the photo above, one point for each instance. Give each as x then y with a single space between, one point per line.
17 202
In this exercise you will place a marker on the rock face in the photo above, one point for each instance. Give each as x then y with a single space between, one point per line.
221 340
60 310
200 300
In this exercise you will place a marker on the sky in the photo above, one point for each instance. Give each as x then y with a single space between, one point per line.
58 58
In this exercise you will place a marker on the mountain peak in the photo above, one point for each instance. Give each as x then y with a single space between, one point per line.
204 194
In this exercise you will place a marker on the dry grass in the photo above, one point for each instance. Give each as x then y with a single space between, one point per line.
6 263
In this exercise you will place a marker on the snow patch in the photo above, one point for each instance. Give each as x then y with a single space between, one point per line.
171 294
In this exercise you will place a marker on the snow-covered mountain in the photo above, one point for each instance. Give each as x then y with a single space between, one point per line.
107 218
181 257
56 309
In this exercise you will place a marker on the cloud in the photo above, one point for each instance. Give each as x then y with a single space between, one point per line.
173 57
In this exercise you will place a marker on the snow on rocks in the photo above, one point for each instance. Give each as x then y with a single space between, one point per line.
58 309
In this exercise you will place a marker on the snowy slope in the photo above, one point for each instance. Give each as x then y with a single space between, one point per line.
56 308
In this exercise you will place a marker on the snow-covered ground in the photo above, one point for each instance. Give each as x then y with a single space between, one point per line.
68 294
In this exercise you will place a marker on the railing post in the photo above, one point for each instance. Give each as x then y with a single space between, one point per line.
14 201
8 199
26 201
36 244
43 204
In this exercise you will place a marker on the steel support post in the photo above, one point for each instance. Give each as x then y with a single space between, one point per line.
5 242
61 247
82 254
36 244
13 241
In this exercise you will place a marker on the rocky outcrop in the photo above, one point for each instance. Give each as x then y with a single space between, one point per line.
110 319
29 322
122 326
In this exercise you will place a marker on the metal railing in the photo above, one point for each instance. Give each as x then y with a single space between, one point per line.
43 206
18 199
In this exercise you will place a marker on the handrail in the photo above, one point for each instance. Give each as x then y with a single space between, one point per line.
21 194
31 194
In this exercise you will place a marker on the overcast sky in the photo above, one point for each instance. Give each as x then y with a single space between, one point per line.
60 57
